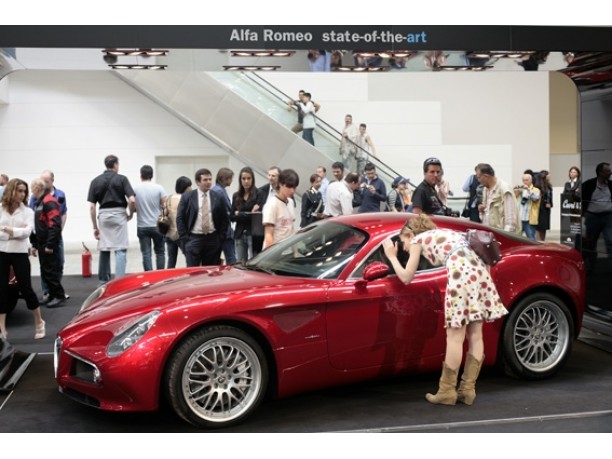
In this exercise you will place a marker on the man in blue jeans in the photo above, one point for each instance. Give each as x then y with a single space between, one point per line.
150 201
116 204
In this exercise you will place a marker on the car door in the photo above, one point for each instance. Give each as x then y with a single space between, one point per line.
386 322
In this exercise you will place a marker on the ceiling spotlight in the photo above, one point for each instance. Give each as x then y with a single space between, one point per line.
475 68
358 68
137 67
251 67
498 54
384 54
110 59
262 53
135 52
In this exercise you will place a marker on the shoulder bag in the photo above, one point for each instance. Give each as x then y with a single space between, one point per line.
163 221
486 246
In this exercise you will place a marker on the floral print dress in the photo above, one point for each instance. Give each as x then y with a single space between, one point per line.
471 294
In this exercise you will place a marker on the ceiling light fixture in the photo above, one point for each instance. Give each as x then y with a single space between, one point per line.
357 68
135 52
474 68
262 53
251 67
498 54
137 67
385 54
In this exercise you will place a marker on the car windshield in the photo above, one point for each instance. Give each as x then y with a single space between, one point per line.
319 251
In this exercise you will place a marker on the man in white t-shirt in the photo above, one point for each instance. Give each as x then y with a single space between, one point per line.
279 212
150 199
340 195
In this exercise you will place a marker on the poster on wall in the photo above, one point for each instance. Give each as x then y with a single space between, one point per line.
571 220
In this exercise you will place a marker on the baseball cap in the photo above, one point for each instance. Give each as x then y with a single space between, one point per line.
399 179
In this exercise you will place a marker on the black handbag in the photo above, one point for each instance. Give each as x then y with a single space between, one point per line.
163 221
465 213
486 246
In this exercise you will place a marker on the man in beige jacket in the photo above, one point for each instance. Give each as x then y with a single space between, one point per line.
498 208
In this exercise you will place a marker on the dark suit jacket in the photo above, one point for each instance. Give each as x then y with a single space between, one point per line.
187 214
264 191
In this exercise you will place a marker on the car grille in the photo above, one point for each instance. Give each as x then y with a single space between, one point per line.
83 370
81 398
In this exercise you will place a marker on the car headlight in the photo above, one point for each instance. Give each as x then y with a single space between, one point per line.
131 334
97 293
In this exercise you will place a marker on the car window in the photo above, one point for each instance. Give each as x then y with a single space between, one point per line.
378 254
318 251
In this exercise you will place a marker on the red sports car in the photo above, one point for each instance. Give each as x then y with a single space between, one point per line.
322 308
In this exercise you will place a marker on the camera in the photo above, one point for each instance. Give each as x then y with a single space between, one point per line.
523 201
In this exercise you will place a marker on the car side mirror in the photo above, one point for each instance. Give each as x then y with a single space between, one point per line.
376 270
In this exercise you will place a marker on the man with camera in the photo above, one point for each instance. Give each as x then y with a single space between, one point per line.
425 199
498 207
528 197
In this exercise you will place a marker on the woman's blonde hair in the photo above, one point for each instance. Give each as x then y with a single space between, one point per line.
418 225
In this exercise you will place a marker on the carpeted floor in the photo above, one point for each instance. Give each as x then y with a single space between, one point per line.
20 324
36 405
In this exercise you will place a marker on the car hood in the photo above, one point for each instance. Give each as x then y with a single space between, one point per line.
208 287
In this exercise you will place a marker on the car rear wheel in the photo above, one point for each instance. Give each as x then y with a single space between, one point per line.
538 337
216 377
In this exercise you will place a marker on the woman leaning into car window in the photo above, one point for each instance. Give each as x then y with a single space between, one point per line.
16 224
471 298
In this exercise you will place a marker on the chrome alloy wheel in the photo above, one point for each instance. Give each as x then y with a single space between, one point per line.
541 336
221 379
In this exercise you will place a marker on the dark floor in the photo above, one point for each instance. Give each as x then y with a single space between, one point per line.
578 399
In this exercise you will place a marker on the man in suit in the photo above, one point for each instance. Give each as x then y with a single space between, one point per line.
202 222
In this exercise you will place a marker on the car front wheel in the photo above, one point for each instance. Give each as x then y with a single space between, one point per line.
538 337
216 377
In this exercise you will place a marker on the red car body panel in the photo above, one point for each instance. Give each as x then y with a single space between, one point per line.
317 332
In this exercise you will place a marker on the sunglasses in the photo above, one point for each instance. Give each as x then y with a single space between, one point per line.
432 161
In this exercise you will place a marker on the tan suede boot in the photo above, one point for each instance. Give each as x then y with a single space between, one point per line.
467 389
447 392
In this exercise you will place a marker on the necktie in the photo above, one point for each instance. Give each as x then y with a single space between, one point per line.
205 214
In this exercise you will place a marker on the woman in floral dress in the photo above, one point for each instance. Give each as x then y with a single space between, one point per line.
471 299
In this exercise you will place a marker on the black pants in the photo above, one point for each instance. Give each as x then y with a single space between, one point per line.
51 272
8 295
203 250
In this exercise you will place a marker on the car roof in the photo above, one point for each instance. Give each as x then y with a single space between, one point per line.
366 221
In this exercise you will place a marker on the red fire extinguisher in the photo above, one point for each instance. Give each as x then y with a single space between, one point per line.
86 261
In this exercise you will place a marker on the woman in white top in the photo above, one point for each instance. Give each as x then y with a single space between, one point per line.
16 225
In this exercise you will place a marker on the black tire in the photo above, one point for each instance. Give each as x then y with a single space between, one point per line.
216 377
537 338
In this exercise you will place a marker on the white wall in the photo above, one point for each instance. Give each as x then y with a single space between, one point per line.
69 121
464 118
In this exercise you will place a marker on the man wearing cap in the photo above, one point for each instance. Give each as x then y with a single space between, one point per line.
425 199
395 200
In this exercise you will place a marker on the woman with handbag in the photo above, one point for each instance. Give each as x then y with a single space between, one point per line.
471 299
183 184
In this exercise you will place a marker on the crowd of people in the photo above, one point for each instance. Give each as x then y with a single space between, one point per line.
524 208
208 227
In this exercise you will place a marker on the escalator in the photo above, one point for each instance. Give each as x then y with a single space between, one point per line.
247 116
